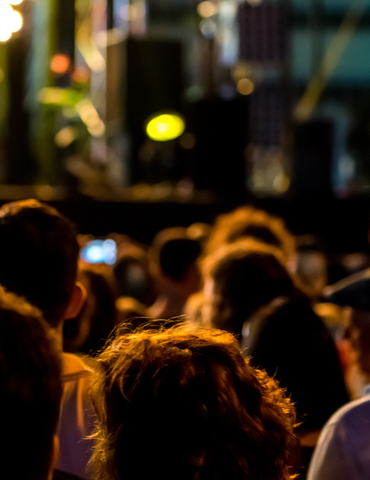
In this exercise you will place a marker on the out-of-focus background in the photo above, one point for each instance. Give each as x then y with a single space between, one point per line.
137 115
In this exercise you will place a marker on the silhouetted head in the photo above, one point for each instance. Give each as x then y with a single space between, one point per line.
240 278
30 390
173 252
38 256
185 404
131 273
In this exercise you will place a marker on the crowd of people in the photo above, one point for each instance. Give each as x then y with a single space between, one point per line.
218 351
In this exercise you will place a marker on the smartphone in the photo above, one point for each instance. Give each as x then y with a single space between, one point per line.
100 251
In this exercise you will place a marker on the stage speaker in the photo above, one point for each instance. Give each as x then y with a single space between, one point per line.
221 132
312 158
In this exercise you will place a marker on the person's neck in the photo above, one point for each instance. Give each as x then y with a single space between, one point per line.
58 335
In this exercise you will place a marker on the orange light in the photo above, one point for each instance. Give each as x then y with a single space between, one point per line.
245 86
206 9
81 75
60 63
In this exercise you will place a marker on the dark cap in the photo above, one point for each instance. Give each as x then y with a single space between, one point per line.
353 291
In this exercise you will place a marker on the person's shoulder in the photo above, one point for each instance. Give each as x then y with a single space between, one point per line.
342 451
74 367
352 414
295 312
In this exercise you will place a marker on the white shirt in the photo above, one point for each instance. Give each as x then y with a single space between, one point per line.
76 416
343 448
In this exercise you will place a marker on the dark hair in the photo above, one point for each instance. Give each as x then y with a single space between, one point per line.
174 252
39 254
185 404
30 389
252 222
131 274
247 275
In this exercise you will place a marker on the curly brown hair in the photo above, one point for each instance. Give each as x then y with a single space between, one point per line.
184 403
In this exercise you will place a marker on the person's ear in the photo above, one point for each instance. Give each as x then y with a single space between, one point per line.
77 300
53 457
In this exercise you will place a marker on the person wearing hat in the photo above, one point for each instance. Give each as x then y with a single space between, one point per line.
343 448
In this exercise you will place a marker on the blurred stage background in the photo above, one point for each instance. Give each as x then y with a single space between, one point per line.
266 102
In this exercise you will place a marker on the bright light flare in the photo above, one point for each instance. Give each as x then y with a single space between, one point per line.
15 2
165 127
10 21
5 33
100 251
16 21
5 10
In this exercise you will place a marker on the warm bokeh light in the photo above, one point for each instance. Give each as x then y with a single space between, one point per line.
88 112
81 75
90 117
15 2
281 183
206 9
96 129
164 127
5 29
245 86
65 137
95 60
60 63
